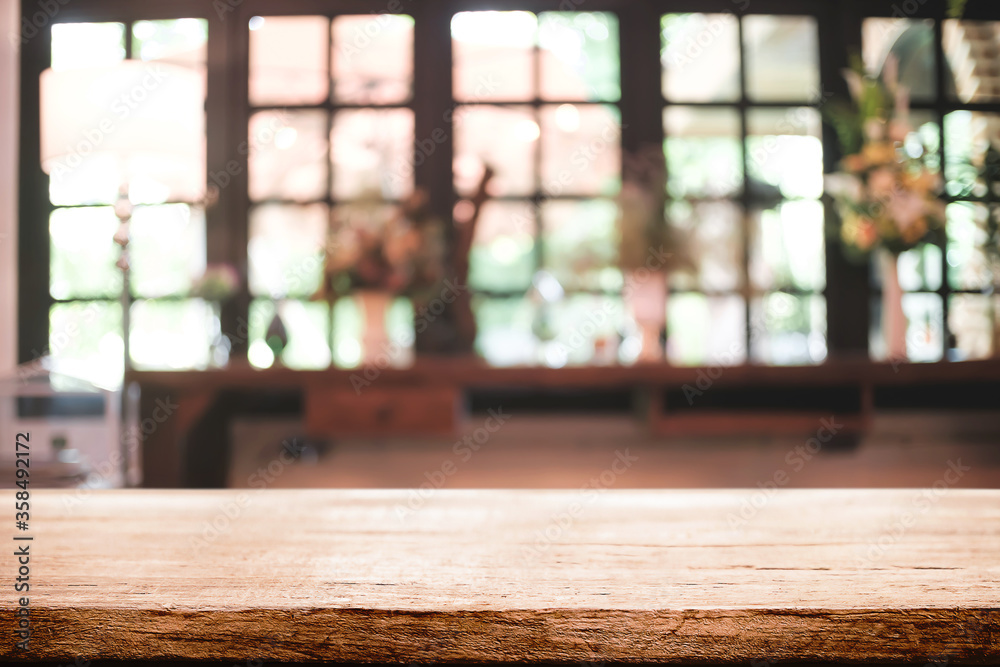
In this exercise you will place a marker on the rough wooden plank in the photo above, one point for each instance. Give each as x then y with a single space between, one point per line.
595 575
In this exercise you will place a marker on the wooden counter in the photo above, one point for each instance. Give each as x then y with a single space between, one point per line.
720 577
185 415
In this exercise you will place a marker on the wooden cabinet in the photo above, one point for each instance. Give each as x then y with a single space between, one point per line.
430 399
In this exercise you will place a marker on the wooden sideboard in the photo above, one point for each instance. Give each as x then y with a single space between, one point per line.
184 415
815 576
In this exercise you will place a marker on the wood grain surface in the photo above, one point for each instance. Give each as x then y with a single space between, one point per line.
483 575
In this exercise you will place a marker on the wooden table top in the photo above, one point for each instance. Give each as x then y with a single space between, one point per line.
713 576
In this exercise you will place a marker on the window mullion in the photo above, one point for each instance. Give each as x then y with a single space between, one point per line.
226 124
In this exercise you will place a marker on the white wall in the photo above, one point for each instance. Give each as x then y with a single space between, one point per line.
9 25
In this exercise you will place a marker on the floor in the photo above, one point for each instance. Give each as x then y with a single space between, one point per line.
902 450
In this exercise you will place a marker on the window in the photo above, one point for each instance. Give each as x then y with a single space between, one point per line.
330 139
167 245
745 174
536 98
330 108
948 298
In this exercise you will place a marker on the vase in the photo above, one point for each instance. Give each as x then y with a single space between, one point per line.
375 345
276 336
646 299
893 317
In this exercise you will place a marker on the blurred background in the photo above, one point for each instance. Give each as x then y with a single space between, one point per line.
334 245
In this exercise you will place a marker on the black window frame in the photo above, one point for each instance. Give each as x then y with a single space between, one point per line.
848 292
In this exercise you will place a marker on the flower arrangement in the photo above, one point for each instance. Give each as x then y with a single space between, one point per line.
886 192
219 282
375 246
642 224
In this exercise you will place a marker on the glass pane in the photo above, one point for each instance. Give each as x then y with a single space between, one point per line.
83 253
82 45
348 326
180 41
782 58
372 59
502 255
581 150
502 137
493 55
151 123
787 250
968 265
919 269
288 155
972 318
286 249
581 243
85 341
788 330
579 56
288 59
971 138
785 153
587 330
372 153
911 42
94 180
700 55
504 335
167 249
924 331
706 330
400 326
172 335
924 139
925 326
713 233
703 152
970 47
307 326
